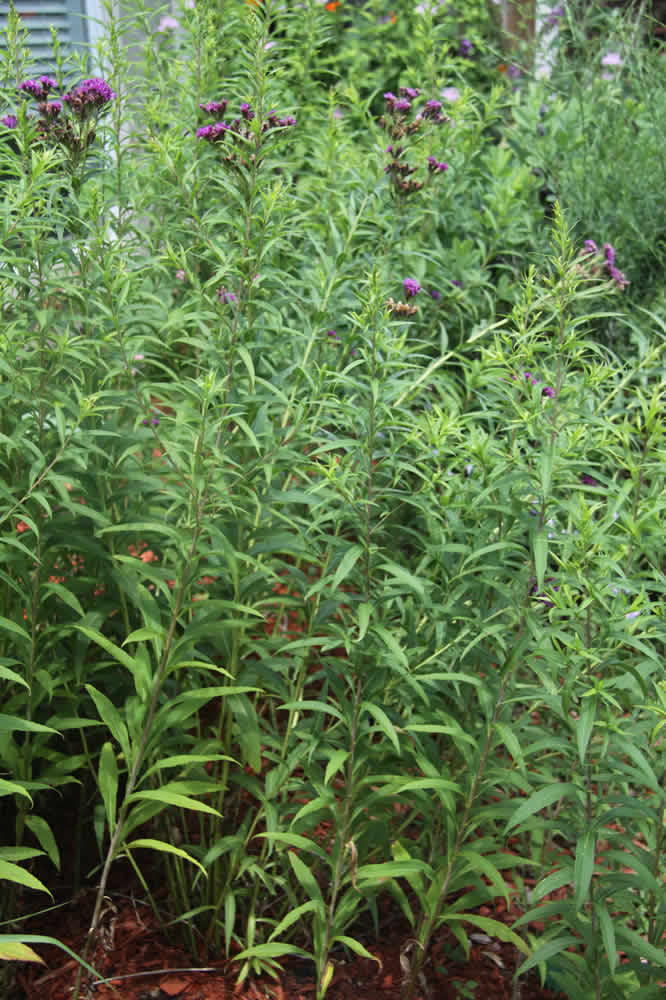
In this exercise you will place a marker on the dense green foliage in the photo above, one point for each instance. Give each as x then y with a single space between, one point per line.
332 485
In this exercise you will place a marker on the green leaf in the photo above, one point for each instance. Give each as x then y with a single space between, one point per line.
161 845
42 831
391 644
11 675
337 760
408 580
641 948
107 777
607 934
540 557
10 626
12 724
347 564
364 612
168 798
293 916
585 725
110 716
296 840
308 881
356 947
186 761
494 928
553 882
547 950
483 865
13 873
116 652
229 919
510 741
540 800
13 788
383 721
9 939
393 869
583 867
271 950
313 706
16 951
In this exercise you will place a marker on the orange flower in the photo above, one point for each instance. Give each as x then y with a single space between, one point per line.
333 5
392 17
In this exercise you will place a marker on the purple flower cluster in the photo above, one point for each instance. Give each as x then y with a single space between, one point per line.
38 89
215 107
411 287
608 266
435 166
239 126
465 48
89 98
213 133
84 102
396 122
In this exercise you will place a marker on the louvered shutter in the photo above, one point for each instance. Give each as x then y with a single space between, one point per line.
38 16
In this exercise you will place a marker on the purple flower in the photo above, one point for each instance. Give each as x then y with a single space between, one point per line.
333 334
224 297
215 107
89 97
39 89
402 104
465 48
168 23
554 15
591 247
213 133
588 480
410 92
632 614
532 379
548 391
9 121
390 99
434 294
513 72
617 276
450 94
609 251
458 284
432 110
246 111
435 166
411 287
180 275
612 59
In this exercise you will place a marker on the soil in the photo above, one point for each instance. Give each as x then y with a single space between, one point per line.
148 966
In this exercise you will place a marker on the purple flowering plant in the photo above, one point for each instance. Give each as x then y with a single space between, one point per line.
327 555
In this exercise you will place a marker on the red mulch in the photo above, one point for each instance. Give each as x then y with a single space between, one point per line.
134 944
